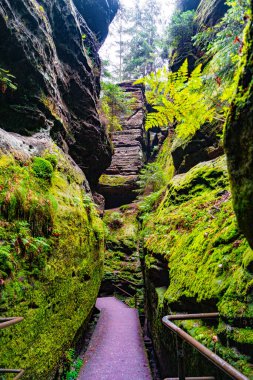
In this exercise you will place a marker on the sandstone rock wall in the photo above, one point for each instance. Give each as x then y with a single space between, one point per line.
118 182
51 254
239 140
51 237
53 54
197 260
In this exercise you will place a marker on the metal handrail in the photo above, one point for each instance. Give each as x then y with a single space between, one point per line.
20 372
211 356
6 322
123 291
128 294
130 282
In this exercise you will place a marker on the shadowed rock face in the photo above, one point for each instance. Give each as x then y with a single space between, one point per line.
203 146
53 54
98 15
239 142
210 12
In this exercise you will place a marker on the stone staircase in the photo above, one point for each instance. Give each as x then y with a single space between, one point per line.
118 183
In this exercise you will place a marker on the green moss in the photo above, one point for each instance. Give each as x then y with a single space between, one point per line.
53 242
52 158
195 229
113 180
205 334
122 259
42 168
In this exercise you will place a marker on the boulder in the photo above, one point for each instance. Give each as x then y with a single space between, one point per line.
205 145
51 254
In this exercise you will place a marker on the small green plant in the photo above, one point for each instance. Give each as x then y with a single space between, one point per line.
115 220
6 264
148 204
42 168
6 81
151 178
74 365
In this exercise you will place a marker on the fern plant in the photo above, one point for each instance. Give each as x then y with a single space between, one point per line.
176 97
6 81
151 178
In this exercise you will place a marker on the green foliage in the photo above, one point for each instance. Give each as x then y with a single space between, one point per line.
52 158
6 81
220 48
149 203
222 43
122 259
177 44
114 103
73 364
115 220
24 251
6 264
42 168
140 56
177 98
151 178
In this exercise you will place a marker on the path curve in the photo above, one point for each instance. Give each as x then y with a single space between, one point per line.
116 350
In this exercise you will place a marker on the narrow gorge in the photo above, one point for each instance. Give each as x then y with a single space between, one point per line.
126 191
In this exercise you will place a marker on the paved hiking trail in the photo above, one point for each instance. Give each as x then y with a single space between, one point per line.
116 350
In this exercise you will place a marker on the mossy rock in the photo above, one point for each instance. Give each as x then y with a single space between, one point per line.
239 141
53 240
114 180
42 168
194 230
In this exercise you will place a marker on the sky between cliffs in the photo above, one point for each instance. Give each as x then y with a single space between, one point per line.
108 50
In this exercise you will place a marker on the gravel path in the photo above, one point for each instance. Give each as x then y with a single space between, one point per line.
116 350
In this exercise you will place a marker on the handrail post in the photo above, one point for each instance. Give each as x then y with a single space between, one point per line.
180 358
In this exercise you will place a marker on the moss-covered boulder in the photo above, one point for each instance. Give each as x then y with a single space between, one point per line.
51 253
205 263
239 142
